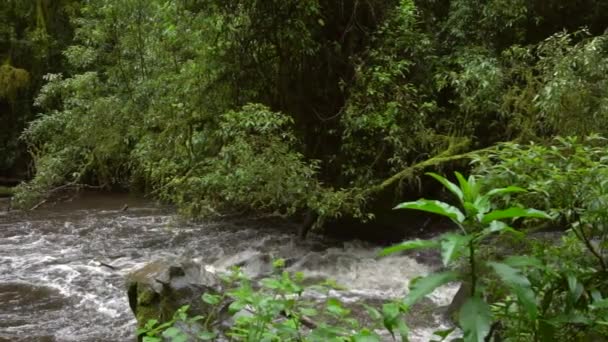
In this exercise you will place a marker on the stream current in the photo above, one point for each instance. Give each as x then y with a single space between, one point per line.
55 283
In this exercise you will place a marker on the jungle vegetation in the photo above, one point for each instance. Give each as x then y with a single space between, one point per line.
326 106
191 101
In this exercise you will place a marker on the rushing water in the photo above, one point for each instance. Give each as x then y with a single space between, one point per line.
55 285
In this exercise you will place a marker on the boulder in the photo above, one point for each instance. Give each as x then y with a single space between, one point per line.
158 289
464 293
252 263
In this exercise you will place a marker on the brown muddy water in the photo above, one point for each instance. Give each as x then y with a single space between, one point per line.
54 285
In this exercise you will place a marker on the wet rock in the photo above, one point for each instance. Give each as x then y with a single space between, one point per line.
158 289
464 292
252 263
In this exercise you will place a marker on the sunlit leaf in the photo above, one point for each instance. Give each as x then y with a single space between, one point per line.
310 312
442 334
373 313
211 299
464 186
366 336
435 207
404 330
409 245
207 335
522 261
453 188
335 307
514 212
151 339
501 227
390 316
506 190
172 332
452 246
424 286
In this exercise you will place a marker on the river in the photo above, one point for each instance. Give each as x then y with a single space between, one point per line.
55 285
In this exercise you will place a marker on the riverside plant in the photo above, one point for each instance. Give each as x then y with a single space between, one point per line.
477 220
275 309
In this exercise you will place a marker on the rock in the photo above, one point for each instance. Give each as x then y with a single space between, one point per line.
253 263
158 289
464 292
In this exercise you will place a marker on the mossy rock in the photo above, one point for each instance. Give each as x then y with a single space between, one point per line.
12 80
158 289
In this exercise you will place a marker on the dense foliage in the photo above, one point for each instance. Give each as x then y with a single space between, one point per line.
330 106
535 289
277 308
191 100
33 35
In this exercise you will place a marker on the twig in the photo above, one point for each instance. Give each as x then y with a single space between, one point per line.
38 205
65 186
114 268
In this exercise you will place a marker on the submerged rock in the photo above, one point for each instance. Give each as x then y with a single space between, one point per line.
252 263
158 289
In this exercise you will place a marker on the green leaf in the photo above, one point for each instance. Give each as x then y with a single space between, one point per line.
504 191
180 338
390 315
448 185
514 212
366 336
443 334
600 304
151 323
171 332
207 335
523 261
271 283
335 307
501 227
236 306
404 330
211 299
409 245
435 207
308 312
475 319
279 263
372 312
452 246
151 339
464 186
423 286
575 287
141 331
519 284
482 205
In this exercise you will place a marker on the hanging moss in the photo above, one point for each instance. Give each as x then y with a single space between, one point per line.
12 80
